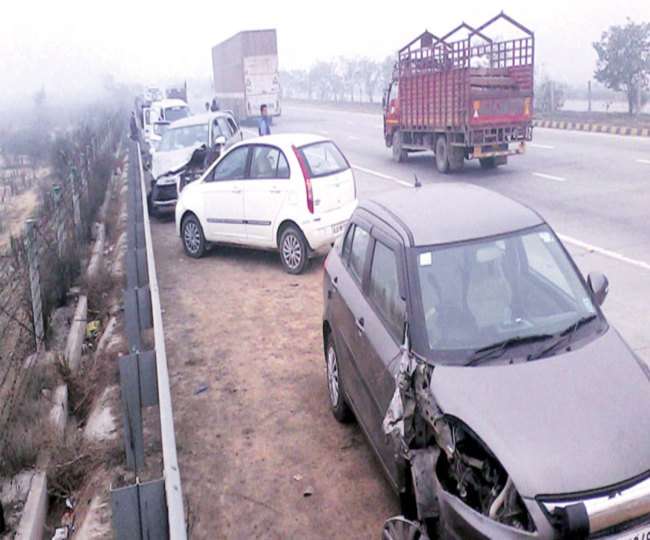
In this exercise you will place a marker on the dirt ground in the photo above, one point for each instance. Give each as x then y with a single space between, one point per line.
254 431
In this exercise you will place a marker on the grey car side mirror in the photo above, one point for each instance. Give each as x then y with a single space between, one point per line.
599 285
220 141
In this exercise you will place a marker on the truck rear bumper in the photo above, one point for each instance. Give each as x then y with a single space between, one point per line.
492 150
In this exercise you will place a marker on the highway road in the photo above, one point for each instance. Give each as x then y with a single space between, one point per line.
594 190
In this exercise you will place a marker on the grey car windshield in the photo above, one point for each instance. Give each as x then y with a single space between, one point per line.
479 293
183 137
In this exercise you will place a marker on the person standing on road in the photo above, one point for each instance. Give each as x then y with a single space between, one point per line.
215 105
263 125
207 106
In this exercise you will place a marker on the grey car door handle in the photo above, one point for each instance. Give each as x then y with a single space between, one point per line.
361 324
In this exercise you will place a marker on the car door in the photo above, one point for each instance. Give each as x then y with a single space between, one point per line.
265 192
223 197
380 325
348 308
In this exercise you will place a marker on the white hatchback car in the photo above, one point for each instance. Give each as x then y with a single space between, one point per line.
291 192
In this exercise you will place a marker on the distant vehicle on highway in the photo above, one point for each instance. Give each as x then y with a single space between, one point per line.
290 192
158 116
245 69
478 362
465 99
205 135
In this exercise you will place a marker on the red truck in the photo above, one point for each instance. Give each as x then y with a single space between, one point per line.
466 99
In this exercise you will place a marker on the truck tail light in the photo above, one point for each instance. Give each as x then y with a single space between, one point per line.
307 177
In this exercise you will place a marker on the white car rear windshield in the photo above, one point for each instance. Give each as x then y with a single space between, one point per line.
323 158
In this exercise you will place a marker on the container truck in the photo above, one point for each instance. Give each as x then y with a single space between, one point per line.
471 98
245 70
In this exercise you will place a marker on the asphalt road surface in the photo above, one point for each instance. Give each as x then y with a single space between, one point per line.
260 454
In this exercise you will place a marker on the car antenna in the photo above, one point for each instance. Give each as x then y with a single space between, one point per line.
417 183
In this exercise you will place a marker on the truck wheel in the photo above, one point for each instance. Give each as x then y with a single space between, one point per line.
487 163
399 155
442 158
456 158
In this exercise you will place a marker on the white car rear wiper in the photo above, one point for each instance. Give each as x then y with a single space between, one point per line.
495 350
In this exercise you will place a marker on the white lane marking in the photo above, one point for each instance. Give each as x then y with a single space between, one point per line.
353 138
545 146
606 252
549 177
381 175
644 161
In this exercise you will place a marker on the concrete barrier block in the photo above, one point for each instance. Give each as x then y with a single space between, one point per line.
76 334
32 522
97 254
59 411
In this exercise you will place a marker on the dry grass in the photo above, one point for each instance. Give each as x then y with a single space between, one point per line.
28 431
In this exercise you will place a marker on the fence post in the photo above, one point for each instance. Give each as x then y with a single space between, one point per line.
76 209
34 282
59 221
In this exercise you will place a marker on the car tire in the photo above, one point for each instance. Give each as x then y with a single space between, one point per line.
340 408
399 155
294 252
488 163
192 236
153 211
442 154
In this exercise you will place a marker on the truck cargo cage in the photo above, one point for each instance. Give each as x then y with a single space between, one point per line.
468 83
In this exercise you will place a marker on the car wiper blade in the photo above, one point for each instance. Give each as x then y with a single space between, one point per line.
564 337
495 350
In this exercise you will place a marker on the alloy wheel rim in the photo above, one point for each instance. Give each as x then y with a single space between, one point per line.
291 251
192 237
333 376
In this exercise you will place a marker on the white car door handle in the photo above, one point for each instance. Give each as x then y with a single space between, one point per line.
274 190
236 190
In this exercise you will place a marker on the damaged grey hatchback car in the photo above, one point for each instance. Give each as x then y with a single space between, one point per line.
476 359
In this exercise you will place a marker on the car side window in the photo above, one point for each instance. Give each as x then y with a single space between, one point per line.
383 289
268 162
233 125
216 130
358 250
232 166
283 167
347 242
225 128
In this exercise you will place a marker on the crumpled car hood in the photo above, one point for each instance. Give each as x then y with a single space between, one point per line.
168 161
564 424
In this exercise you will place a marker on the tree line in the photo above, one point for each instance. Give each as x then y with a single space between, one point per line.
340 79
623 65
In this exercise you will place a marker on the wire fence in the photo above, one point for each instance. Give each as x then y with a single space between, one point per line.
40 262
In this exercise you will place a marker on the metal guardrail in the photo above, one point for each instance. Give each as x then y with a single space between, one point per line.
145 510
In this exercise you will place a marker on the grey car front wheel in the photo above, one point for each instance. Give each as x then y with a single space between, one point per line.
340 408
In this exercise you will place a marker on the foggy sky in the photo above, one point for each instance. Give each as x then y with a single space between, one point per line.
69 46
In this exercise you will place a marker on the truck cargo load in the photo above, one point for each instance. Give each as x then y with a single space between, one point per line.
470 98
245 69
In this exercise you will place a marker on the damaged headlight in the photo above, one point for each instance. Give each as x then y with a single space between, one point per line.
463 465
474 475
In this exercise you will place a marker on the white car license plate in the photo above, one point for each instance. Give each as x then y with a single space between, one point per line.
639 533
338 229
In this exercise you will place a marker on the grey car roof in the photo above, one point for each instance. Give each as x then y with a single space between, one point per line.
449 212
197 119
